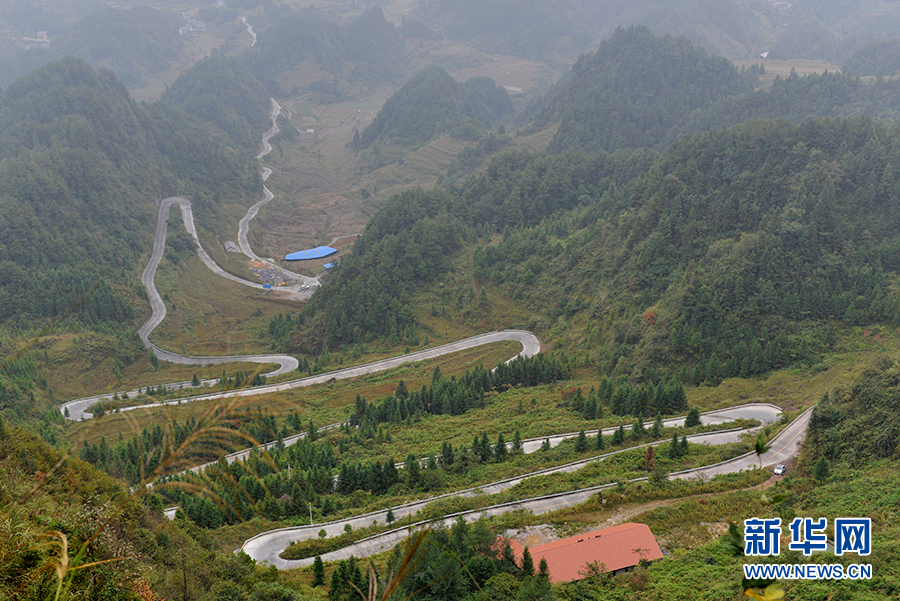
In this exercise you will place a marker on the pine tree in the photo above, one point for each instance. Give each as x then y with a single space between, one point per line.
581 443
517 442
500 447
507 555
447 453
390 516
618 436
486 451
527 562
656 431
412 469
544 569
638 428
600 443
693 418
318 571
590 408
337 584
684 446
195 381
545 446
674 447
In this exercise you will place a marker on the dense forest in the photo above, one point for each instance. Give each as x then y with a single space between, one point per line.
432 103
222 91
870 406
879 59
635 89
802 98
727 255
76 149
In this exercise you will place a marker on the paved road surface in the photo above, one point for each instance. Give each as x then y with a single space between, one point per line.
268 545
244 225
531 345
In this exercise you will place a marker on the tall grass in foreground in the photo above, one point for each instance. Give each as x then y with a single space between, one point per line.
72 521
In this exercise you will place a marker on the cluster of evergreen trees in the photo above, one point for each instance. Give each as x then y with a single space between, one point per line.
457 562
285 486
800 98
455 396
624 398
836 424
137 457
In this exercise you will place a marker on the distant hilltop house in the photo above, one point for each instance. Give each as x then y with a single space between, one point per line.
40 37
193 28
610 551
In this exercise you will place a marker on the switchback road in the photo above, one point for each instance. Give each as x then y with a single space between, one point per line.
531 345
268 545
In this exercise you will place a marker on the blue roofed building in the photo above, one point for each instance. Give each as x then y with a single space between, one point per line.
318 252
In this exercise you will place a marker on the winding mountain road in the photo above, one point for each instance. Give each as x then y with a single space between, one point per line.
268 545
531 345
244 225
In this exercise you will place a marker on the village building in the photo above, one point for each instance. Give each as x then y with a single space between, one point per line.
610 551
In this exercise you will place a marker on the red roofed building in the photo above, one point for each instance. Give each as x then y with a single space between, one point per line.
613 549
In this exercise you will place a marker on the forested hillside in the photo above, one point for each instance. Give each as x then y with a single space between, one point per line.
82 165
730 254
432 103
222 91
81 168
368 51
802 98
879 59
634 90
